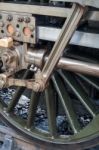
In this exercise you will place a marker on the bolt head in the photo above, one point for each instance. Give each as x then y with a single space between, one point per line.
27 19
31 27
9 18
1 24
20 19
17 34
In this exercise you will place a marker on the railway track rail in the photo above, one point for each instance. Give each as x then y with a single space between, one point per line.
11 140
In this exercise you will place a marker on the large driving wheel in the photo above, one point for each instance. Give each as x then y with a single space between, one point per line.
63 116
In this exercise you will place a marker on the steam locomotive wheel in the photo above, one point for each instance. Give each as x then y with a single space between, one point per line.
68 107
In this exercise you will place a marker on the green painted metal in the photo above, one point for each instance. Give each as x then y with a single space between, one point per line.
79 92
51 110
67 104
18 94
58 85
90 80
87 133
32 109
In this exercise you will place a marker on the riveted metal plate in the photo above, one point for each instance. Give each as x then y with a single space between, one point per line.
17 22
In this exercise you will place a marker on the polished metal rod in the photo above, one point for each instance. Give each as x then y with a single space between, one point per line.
64 63
79 66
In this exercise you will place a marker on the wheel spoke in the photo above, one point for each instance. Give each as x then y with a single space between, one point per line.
79 92
51 110
32 109
67 104
92 81
18 93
